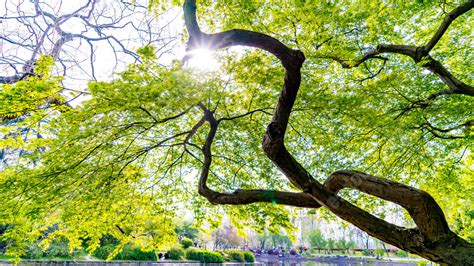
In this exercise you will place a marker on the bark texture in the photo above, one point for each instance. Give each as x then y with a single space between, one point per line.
431 239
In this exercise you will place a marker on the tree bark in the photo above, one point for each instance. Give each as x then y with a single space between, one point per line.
431 239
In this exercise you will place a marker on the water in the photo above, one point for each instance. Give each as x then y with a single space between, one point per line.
147 263
315 263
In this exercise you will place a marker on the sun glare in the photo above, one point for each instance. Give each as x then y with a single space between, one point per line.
202 59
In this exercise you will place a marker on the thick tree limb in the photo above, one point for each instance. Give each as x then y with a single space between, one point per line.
424 210
432 239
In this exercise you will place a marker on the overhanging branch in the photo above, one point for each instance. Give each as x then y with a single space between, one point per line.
420 54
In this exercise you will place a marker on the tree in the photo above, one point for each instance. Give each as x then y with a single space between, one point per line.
432 239
345 245
316 240
186 230
226 238
282 241
262 240
146 132
330 244
31 28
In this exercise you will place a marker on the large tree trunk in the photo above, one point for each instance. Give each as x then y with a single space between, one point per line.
431 239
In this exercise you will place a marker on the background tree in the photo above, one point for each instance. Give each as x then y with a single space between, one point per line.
186 230
330 244
262 240
91 31
226 237
282 241
316 240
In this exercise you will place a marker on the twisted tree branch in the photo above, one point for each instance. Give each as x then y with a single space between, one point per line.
242 196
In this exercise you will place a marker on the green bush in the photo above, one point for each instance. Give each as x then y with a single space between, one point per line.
366 252
235 255
248 256
33 251
103 252
402 253
176 254
128 252
186 242
59 248
379 252
204 256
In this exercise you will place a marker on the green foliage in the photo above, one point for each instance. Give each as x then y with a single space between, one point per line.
130 252
316 239
186 230
402 253
186 243
379 252
235 255
176 253
330 244
280 240
58 248
103 251
204 256
28 95
248 256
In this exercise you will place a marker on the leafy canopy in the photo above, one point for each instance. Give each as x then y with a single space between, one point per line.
129 156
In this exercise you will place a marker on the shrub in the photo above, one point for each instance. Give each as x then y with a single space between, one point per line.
379 252
58 249
366 252
186 242
128 252
176 254
33 251
236 255
204 256
248 256
402 253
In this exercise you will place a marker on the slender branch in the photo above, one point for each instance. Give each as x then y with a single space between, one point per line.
244 115
448 19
